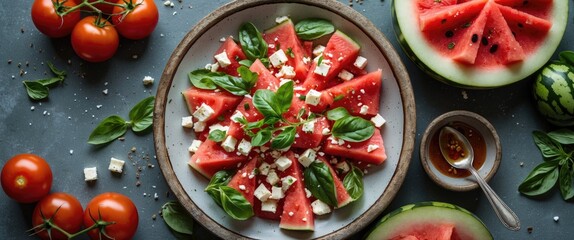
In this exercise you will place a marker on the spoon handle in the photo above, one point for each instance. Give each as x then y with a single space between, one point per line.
504 213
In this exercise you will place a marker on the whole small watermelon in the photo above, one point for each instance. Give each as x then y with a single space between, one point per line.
554 90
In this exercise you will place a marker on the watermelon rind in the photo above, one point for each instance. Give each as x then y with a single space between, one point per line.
460 75
467 225
554 93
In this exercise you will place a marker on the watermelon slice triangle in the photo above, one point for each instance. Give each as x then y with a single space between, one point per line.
244 179
234 53
283 37
221 102
359 151
211 158
297 212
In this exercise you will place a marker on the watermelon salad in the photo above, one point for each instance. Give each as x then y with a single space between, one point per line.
286 122
480 43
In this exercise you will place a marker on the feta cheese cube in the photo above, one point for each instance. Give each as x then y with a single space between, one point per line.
343 167
203 112
283 163
325 131
244 147
264 168
306 60
364 109
148 80
277 193
313 97
237 115
286 72
287 181
308 193
262 193
309 127
360 62
187 122
378 120
272 177
229 144
323 68
194 146
218 126
269 206
307 157
199 126
320 207
278 58
372 147
212 67
222 59
116 165
281 19
90 174
345 75
318 50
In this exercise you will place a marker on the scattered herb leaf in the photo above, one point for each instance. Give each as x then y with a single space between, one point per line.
319 181
313 28
177 218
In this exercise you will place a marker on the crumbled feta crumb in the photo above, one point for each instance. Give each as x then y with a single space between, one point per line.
105 91
287 181
306 60
218 126
148 80
212 67
325 131
187 122
32 108
323 68
343 167
116 165
309 127
378 120
237 115
556 218
242 187
281 19
313 97
320 207
222 39
264 168
283 81
360 62
318 50
283 163
222 59
90 174
291 214
286 72
278 58
372 147
194 146
307 157
229 144
199 126
308 193
345 75
364 109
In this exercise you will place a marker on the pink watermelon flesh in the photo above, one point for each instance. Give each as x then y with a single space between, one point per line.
297 212
246 177
356 93
340 51
343 197
211 158
431 231
484 33
265 80
357 151
308 48
221 102
250 113
234 53
313 139
283 37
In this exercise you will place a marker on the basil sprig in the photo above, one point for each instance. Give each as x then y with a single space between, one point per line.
252 42
205 79
113 127
39 89
231 200
353 183
177 219
350 128
313 28
557 168
319 181
217 135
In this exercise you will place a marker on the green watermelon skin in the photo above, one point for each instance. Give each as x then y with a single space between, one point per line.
411 221
554 93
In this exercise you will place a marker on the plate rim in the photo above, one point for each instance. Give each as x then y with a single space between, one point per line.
387 50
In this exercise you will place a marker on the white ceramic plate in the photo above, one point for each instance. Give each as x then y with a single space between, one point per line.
197 49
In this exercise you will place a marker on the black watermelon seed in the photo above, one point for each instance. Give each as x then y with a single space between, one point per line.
449 34
513 34
493 48
525 3
443 21
484 41
474 38
520 25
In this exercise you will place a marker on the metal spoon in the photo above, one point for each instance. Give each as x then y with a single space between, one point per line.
449 139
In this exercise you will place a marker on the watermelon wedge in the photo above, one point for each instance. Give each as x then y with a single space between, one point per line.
359 151
283 36
211 158
297 212
343 197
266 80
244 179
234 54
480 43
222 103
305 140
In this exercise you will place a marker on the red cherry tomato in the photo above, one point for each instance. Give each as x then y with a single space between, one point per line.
26 178
47 19
61 209
112 207
105 8
139 22
95 42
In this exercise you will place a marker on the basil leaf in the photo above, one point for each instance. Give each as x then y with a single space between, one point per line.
542 178
249 78
563 136
234 85
319 181
36 90
252 42
141 115
59 73
565 179
567 57
264 101
220 178
217 135
549 148
353 129
177 218
313 28
284 96
301 112
353 182
284 139
235 204
203 78
246 62
50 82
108 130
261 138
337 113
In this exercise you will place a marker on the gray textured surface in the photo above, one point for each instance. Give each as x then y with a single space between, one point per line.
64 122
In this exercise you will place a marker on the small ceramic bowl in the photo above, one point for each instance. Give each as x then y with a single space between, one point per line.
444 175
